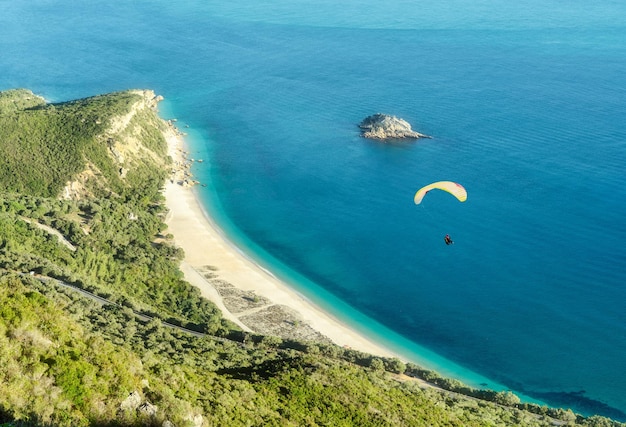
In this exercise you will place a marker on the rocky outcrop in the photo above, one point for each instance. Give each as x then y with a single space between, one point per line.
383 127
132 402
147 409
135 403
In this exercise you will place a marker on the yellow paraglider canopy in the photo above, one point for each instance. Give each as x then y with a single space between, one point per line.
453 188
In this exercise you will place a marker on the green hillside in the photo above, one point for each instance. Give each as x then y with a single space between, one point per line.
98 327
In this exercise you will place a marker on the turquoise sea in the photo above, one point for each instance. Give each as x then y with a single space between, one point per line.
525 103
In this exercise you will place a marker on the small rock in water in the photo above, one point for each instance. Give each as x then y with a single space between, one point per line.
383 126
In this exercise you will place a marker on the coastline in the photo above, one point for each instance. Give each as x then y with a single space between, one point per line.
227 277
246 293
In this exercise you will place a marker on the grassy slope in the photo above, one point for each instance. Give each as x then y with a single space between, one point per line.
66 360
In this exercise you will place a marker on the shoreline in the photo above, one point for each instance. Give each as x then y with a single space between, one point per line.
244 291
257 301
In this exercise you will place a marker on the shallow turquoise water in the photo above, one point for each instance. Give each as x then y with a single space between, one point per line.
525 104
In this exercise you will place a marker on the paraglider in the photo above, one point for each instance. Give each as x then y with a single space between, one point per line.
453 188
457 190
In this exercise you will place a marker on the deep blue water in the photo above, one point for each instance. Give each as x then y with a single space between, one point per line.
525 104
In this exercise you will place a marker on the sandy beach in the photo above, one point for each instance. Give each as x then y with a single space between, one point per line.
246 293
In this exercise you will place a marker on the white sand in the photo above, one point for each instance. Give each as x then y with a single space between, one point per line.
204 245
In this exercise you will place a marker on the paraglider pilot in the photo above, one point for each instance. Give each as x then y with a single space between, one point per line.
448 240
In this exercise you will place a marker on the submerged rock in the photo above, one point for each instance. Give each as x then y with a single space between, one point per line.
384 126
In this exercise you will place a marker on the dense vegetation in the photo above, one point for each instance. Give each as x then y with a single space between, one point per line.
45 145
68 359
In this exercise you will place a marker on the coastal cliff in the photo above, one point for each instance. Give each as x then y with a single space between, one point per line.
132 141
93 146
383 127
